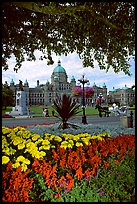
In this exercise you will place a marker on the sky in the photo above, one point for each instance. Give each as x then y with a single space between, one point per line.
39 70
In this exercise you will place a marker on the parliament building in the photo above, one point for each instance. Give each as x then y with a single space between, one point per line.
44 94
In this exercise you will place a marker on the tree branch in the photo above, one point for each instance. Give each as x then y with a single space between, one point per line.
69 10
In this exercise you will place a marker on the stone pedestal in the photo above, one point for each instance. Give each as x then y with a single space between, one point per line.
21 106
125 121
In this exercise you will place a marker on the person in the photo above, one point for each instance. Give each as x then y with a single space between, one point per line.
46 112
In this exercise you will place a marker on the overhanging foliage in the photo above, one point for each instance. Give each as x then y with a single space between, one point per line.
104 31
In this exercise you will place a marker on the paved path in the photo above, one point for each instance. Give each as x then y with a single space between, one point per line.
10 122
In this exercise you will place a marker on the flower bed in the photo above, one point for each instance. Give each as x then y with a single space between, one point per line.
66 167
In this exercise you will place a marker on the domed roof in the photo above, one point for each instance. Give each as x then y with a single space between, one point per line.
94 84
26 83
125 88
113 90
59 68
12 82
72 78
104 85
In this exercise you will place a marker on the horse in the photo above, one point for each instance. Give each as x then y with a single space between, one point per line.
102 109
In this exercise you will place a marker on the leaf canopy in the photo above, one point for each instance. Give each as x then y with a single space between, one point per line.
101 31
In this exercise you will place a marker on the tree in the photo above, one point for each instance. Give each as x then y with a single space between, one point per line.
65 108
101 31
7 96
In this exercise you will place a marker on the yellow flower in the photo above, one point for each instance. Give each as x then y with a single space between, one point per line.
16 165
70 143
52 146
79 144
46 147
100 138
21 146
33 150
39 141
57 138
66 136
64 144
30 145
26 134
47 135
5 130
5 159
37 154
76 137
17 140
93 137
50 137
27 141
9 151
20 159
85 140
45 142
24 167
35 137
26 161
42 153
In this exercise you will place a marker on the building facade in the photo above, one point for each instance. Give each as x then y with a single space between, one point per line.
44 94
124 96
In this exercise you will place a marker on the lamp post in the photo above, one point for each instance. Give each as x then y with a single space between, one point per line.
100 97
83 82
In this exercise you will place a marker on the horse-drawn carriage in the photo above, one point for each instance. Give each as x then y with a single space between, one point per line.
108 110
104 110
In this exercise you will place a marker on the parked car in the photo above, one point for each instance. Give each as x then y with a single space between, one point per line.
7 116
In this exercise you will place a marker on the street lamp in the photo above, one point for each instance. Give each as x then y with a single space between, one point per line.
83 82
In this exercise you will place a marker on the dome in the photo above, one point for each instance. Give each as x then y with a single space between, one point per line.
125 88
94 84
104 85
59 68
26 83
113 90
72 78
12 82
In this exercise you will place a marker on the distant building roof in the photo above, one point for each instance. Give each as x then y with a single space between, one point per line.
26 83
73 78
113 90
94 84
12 82
104 85
125 87
59 68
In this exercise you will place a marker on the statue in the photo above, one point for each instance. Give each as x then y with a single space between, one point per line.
20 85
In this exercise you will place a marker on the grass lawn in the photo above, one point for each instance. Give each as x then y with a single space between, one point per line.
39 110
8 109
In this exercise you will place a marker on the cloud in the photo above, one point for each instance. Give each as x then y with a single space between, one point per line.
39 70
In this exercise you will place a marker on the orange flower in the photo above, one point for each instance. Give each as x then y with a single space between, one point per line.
79 173
116 161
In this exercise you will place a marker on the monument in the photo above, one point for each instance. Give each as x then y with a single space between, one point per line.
21 106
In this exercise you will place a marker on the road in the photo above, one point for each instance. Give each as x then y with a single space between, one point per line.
10 122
